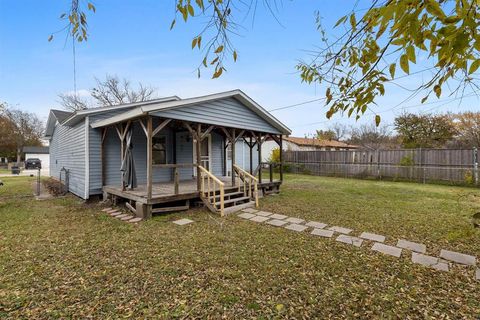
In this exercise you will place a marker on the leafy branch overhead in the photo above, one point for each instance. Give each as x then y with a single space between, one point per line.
217 30
76 18
392 34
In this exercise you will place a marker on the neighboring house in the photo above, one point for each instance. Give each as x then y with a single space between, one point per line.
41 153
168 138
304 144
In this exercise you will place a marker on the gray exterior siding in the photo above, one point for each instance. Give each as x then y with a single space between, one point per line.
226 112
67 149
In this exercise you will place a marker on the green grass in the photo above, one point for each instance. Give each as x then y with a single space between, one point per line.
62 258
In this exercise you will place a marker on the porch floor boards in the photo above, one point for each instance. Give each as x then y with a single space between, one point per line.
165 191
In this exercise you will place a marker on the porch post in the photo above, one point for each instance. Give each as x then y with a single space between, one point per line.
149 158
198 148
250 146
281 157
225 146
102 148
233 156
259 144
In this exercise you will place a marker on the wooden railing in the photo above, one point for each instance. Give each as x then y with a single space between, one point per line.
270 166
248 181
176 174
209 187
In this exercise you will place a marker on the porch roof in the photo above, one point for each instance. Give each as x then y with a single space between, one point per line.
170 105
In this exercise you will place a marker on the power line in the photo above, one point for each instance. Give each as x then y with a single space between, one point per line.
442 101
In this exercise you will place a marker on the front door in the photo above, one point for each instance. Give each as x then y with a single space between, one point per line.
205 154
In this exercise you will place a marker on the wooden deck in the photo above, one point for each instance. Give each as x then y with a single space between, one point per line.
165 192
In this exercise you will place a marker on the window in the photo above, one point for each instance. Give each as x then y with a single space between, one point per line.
159 149
229 152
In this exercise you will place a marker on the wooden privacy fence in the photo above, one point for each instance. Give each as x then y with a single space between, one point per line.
455 166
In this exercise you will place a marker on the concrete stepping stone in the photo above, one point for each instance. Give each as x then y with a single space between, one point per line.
385 249
127 218
372 236
458 257
263 213
111 210
106 209
120 216
413 246
315 224
322 233
116 213
278 216
429 261
296 227
295 220
134 220
249 210
340 229
357 242
246 215
259 219
277 222
477 274
183 222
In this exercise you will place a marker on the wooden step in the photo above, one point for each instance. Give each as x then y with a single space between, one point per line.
229 195
170 209
233 209
232 200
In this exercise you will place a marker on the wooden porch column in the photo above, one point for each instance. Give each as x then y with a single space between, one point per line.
149 158
198 148
281 157
259 144
233 156
102 155
250 146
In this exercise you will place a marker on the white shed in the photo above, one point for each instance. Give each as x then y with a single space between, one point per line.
41 153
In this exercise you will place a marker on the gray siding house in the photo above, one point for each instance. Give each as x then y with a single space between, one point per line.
176 146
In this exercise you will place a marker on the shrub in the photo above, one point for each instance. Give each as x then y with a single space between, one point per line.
407 161
468 177
54 187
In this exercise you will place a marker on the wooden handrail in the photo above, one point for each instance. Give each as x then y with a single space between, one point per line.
209 194
251 180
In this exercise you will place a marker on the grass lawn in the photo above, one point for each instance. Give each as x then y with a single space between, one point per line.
62 258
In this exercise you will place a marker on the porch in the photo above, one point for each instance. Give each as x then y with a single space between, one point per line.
179 160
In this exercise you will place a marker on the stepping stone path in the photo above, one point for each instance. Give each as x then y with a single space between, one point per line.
357 242
385 249
116 213
246 215
429 261
413 246
458 257
276 222
183 222
372 236
263 213
278 216
249 210
127 218
120 216
296 227
134 220
295 220
340 229
106 209
322 233
320 230
259 219
315 224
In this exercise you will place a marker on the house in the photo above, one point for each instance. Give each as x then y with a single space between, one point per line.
171 150
304 144
41 153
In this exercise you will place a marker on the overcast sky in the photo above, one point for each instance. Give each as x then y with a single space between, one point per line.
132 39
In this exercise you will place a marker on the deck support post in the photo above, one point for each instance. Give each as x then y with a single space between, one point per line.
281 157
198 148
149 159
233 142
102 153
259 144
250 146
